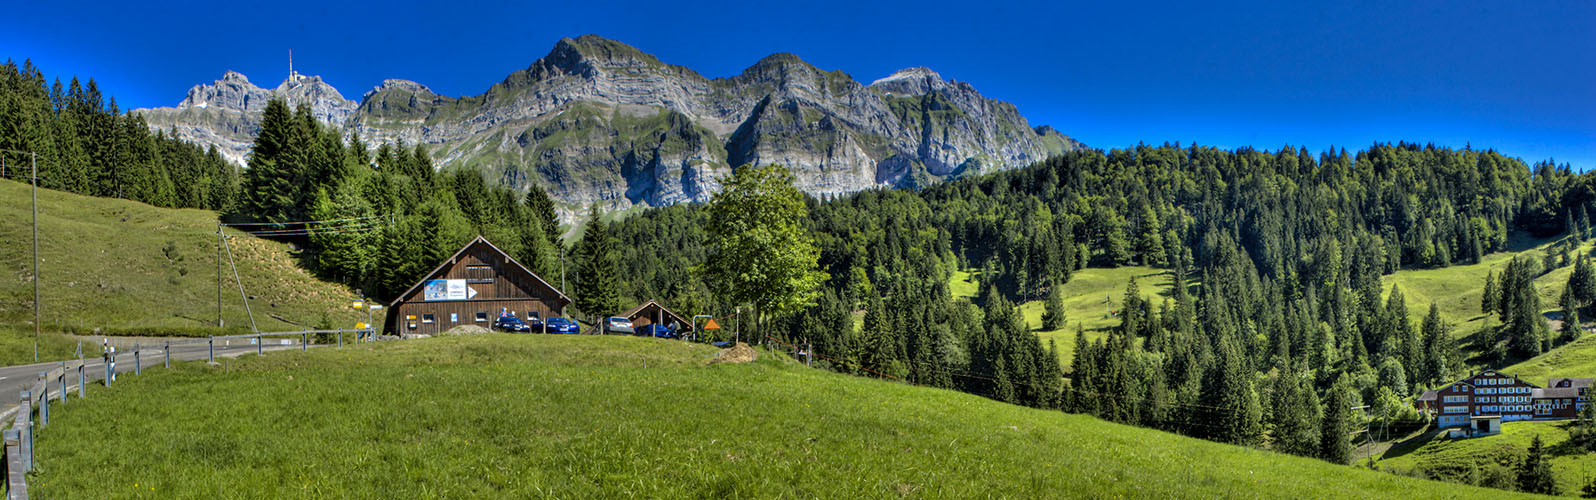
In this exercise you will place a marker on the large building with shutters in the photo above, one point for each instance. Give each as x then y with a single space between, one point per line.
473 287
1493 394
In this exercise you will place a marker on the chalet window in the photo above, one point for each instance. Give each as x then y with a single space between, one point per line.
482 317
427 318
1456 399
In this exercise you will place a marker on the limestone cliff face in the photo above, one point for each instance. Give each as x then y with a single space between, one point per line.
600 122
226 112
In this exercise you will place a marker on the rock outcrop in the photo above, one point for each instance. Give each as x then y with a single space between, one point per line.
600 122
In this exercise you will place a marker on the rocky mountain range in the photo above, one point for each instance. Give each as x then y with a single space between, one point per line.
599 121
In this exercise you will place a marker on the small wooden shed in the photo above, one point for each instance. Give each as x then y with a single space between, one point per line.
651 312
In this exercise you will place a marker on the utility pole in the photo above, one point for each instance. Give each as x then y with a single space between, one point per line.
35 162
252 327
219 275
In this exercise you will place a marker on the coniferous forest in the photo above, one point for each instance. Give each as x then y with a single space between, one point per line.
1277 326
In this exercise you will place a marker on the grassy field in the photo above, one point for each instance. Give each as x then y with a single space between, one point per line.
127 267
1458 457
1457 289
499 416
1086 304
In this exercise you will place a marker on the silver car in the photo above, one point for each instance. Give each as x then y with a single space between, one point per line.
617 324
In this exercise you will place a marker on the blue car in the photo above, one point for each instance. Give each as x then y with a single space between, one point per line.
561 325
656 330
511 324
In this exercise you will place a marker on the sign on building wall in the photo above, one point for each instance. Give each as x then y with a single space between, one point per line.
446 290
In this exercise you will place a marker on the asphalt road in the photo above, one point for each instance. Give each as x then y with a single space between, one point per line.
15 379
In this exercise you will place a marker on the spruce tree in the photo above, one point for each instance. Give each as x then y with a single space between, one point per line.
543 214
597 270
1335 440
1535 472
1053 316
1489 295
1440 350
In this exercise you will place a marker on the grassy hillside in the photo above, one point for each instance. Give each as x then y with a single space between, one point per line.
1459 459
499 416
1086 301
1457 289
117 265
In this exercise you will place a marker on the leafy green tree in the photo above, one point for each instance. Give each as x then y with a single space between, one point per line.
762 253
597 270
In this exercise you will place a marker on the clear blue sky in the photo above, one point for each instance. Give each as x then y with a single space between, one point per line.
1519 77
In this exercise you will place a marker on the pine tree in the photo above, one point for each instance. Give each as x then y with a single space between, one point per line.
1535 473
597 270
269 191
1570 330
1230 410
543 214
1582 282
1335 440
1440 351
1489 296
1053 316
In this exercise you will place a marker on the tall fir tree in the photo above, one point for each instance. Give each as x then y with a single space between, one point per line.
1335 439
597 270
1535 472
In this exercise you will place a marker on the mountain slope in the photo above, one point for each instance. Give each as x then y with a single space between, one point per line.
608 417
599 121
117 265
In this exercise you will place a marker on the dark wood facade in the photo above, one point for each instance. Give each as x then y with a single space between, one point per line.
1490 393
472 288
651 312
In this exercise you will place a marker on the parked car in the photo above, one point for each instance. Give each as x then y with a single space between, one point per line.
563 325
656 330
511 324
617 324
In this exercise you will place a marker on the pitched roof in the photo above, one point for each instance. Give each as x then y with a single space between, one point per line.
1554 392
1429 395
1572 382
639 309
456 258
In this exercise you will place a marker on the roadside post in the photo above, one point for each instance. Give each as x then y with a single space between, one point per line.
61 382
83 388
25 413
137 366
210 350
260 345
44 402
168 352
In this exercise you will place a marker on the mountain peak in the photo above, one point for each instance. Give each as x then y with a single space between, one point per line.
917 80
598 48
234 76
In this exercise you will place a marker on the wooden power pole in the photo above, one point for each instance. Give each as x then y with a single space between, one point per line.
35 162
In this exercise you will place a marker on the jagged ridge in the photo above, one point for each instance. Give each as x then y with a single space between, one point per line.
599 121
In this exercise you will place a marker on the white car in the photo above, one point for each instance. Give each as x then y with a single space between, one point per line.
617 324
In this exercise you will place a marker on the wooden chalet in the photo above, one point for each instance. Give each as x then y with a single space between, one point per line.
473 287
651 312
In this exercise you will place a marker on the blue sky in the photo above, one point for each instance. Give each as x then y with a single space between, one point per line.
1519 77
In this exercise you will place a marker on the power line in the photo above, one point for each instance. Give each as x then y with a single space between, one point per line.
306 222
279 232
